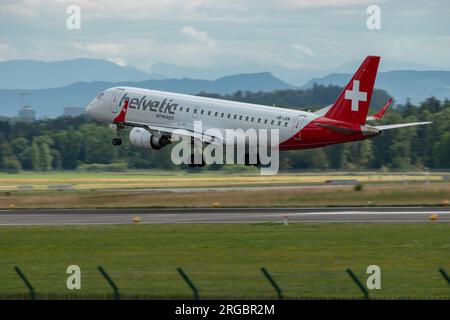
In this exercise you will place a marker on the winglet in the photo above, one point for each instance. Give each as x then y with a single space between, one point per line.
380 113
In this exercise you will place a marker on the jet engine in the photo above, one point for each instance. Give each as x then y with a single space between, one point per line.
142 138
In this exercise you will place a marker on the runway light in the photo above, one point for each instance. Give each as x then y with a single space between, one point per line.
136 219
445 203
434 216
286 220
12 206
216 204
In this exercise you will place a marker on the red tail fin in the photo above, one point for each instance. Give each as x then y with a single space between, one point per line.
353 103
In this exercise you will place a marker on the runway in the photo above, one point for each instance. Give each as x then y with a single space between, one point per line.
223 215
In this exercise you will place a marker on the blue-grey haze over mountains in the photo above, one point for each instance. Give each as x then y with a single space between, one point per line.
73 83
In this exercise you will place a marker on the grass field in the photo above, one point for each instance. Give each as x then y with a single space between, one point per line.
150 179
393 194
224 260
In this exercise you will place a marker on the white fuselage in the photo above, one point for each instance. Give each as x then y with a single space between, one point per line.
179 111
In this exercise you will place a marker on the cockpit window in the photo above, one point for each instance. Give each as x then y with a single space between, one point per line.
100 96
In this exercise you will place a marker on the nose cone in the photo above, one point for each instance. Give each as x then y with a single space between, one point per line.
95 109
91 108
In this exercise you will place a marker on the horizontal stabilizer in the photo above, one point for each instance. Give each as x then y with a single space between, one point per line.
401 125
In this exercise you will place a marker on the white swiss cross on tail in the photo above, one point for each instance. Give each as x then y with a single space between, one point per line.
355 95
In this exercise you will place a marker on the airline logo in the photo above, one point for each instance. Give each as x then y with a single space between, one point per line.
355 95
122 114
144 103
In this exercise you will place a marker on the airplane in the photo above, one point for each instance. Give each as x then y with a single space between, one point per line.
155 115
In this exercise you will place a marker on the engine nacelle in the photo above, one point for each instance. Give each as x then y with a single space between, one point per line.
140 137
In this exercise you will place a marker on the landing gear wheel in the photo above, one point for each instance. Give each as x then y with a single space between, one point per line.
192 163
247 161
116 141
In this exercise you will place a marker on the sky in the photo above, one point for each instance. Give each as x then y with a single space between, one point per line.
292 34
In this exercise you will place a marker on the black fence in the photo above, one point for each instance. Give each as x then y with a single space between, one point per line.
278 292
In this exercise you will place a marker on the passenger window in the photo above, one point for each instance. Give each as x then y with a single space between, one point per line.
265 121
240 117
285 124
235 116
187 110
259 120
246 118
272 122
216 114
203 111
279 123
181 108
209 113
222 115
253 119
229 116
195 110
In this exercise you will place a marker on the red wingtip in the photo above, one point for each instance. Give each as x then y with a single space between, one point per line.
381 112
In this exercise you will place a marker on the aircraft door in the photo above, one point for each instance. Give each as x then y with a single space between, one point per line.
298 125
116 100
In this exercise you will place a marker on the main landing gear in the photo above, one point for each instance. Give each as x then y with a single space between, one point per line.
192 163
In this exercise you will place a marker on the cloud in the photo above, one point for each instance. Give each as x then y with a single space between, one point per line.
327 3
199 36
6 51
131 10
302 49
104 49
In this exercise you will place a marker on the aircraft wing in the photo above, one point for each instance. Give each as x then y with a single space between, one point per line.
401 125
204 138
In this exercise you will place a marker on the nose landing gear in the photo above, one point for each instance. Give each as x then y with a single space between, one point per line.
118 141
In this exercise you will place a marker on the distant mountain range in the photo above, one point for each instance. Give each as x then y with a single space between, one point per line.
401 84
51 102
73 83
32 74
296 77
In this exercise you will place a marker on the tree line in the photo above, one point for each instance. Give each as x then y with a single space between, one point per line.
69 143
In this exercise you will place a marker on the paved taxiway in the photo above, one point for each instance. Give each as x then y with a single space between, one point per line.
223 215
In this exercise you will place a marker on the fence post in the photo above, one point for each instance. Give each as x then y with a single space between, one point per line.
445 275
110 281
273 283
189 282
27 283
358 283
